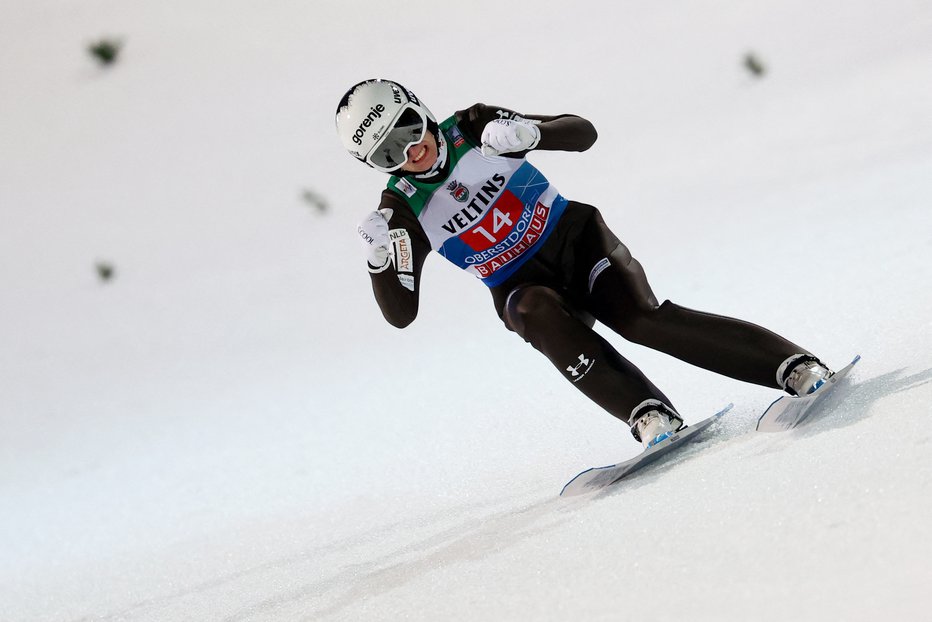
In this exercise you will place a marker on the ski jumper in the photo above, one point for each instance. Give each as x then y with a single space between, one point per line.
553 267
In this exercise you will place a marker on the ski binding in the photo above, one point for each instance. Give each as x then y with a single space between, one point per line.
597 478
788 412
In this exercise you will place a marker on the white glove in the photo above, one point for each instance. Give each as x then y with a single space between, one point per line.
373 233
508 136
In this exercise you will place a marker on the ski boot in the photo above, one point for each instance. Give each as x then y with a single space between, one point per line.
653 421
802 374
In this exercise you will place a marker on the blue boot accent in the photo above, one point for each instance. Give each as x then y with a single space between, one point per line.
816 386
660 437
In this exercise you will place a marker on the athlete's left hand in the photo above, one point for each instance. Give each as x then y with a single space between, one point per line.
373 233
509 136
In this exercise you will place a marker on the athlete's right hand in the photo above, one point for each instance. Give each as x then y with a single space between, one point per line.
373 233
509 136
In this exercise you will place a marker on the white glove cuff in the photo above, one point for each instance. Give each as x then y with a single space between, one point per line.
535 131
373 269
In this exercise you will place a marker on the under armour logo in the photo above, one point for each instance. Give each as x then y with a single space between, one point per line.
581 368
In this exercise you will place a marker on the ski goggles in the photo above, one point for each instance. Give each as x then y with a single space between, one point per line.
391 152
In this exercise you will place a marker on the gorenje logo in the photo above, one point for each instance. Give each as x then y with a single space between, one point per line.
375 112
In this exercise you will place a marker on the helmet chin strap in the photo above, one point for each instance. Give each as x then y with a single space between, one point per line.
441 157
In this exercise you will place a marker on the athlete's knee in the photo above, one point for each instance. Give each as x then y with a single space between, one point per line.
641 323
645 322
531 304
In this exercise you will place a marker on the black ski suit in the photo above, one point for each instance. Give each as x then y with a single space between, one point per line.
579 274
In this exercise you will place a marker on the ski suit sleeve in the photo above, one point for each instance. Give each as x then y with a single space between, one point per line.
396 286
564 132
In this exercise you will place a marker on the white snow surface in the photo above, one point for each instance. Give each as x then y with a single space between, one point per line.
228 430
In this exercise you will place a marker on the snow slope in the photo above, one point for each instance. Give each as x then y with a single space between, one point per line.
229 431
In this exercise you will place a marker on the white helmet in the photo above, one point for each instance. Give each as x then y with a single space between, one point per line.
378 120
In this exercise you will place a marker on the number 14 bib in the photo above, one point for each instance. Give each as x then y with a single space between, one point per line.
489 215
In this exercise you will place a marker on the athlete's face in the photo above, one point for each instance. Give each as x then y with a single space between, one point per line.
422 155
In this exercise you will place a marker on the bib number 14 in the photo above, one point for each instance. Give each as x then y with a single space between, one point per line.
499 220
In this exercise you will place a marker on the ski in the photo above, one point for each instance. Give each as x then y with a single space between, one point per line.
600 477
788 412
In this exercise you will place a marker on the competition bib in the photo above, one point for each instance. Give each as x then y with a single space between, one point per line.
489 215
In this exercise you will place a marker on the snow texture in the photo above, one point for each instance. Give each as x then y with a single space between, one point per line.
228 430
